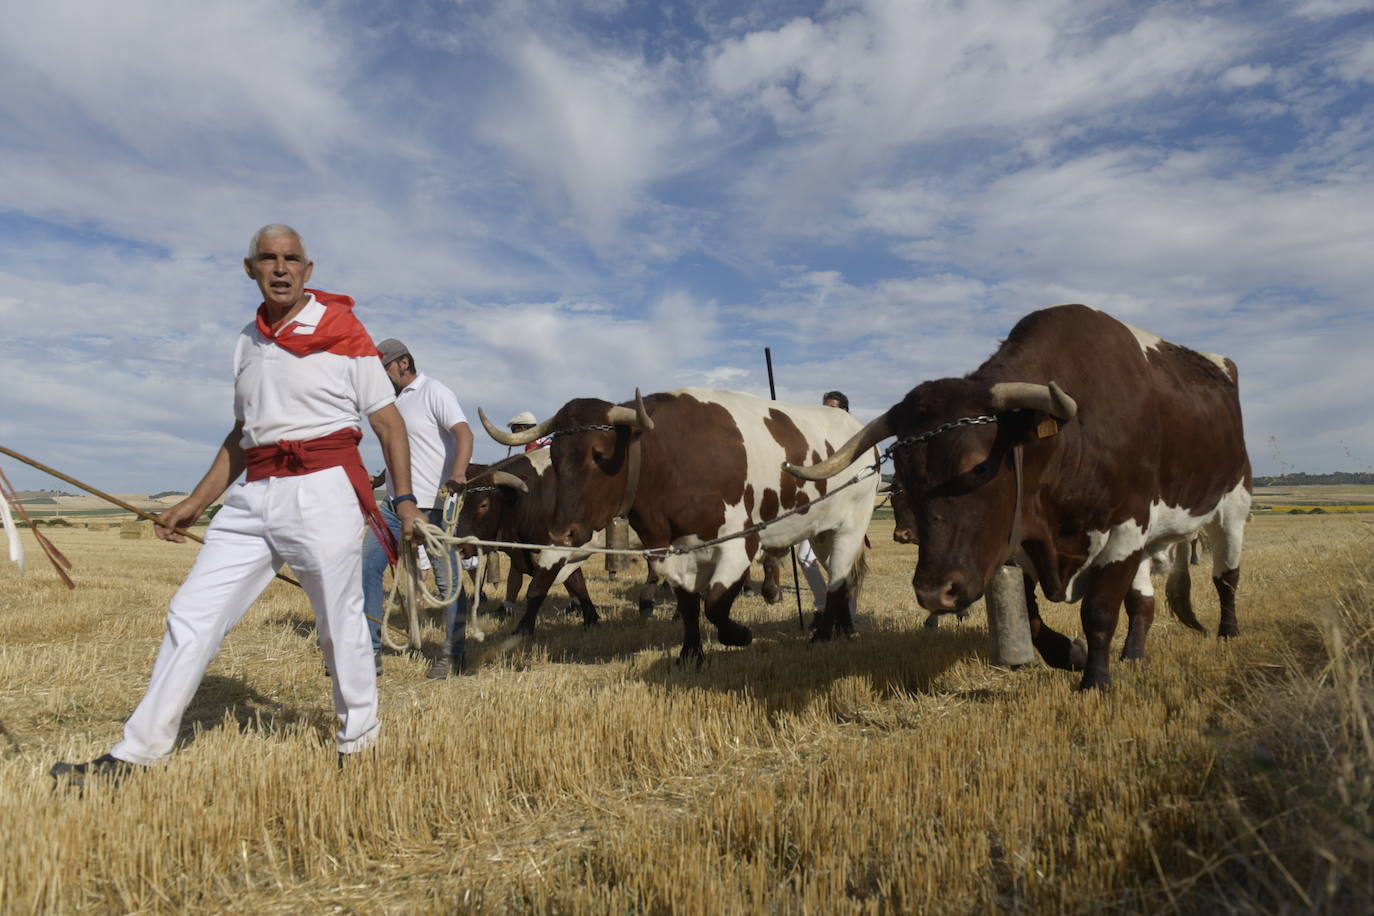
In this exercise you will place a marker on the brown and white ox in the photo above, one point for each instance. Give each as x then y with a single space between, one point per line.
1128 444
513 501
695 464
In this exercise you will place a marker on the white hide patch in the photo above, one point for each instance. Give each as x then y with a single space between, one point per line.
1146 340
1220 362
846 515
1167 525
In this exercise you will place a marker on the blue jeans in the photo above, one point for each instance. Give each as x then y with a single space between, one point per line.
374 567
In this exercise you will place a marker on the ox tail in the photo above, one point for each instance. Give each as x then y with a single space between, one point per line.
859 573
1178 592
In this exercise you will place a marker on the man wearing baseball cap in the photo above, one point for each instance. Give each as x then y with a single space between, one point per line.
440 446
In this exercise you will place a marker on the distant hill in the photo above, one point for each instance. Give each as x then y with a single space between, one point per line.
165 493
1299 479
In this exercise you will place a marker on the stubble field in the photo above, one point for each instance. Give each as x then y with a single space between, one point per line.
892 772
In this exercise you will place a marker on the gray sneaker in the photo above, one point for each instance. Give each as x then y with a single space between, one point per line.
446 665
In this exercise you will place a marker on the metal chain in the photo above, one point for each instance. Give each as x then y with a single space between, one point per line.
942 428
434 535
599 427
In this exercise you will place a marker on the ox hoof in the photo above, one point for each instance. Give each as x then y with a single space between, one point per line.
932 622
513 642
1095 682
1078 655
735 634
690 655
646 610
1228 631
591 618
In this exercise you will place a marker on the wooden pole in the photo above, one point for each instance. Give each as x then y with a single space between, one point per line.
796 584
115 500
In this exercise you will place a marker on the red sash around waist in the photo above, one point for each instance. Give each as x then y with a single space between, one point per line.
287 458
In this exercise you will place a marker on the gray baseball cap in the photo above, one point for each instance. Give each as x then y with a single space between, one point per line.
391 350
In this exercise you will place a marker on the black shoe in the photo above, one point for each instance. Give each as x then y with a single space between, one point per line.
105 766
446 665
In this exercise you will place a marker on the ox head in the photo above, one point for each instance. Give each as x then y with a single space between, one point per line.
486 501
904 519
590 461
958 479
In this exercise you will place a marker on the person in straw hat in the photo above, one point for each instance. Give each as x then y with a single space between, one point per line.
305 374
522 421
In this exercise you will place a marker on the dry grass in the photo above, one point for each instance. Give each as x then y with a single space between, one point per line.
892 772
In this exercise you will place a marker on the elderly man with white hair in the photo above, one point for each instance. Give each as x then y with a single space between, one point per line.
305 374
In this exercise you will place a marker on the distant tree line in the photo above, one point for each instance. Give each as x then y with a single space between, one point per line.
1303 479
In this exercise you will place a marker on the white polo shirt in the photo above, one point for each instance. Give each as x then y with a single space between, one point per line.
279 395
430 410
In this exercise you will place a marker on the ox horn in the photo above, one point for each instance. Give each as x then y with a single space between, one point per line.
638 417
507 479
506 438
875 432
1049 399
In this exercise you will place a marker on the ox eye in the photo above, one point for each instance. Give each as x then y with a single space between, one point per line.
980 468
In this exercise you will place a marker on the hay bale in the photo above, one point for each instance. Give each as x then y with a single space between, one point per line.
136 530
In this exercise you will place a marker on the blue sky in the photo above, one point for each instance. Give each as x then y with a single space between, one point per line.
550 200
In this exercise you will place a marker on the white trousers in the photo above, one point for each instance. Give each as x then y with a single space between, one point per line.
311 522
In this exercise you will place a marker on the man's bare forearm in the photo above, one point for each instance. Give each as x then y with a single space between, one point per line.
391 433
224 470
462 451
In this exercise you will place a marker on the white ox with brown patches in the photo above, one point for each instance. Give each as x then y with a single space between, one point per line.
695 464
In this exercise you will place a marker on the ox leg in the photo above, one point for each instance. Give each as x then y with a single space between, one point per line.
1054 647
514 579
772 579
576 584
719 600
540 583
836 614
1226 584
1100 611
1227 534
689 609
647 591
1140 612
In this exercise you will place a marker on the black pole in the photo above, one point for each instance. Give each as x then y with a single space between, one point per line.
796 584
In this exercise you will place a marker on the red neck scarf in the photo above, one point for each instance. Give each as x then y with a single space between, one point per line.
339 331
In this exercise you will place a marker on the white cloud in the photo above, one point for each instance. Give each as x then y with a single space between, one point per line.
1243 76
588 127
1325 9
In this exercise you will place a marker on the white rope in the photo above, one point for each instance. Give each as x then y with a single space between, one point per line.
441 544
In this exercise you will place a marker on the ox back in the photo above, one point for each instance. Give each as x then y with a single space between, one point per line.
709 466
1154 452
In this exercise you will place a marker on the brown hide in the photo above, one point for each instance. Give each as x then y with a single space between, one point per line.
1156 426
693 464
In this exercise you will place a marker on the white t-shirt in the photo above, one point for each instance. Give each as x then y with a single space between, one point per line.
279 395
430 410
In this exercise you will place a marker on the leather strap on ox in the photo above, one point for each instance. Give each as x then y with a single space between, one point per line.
632 461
